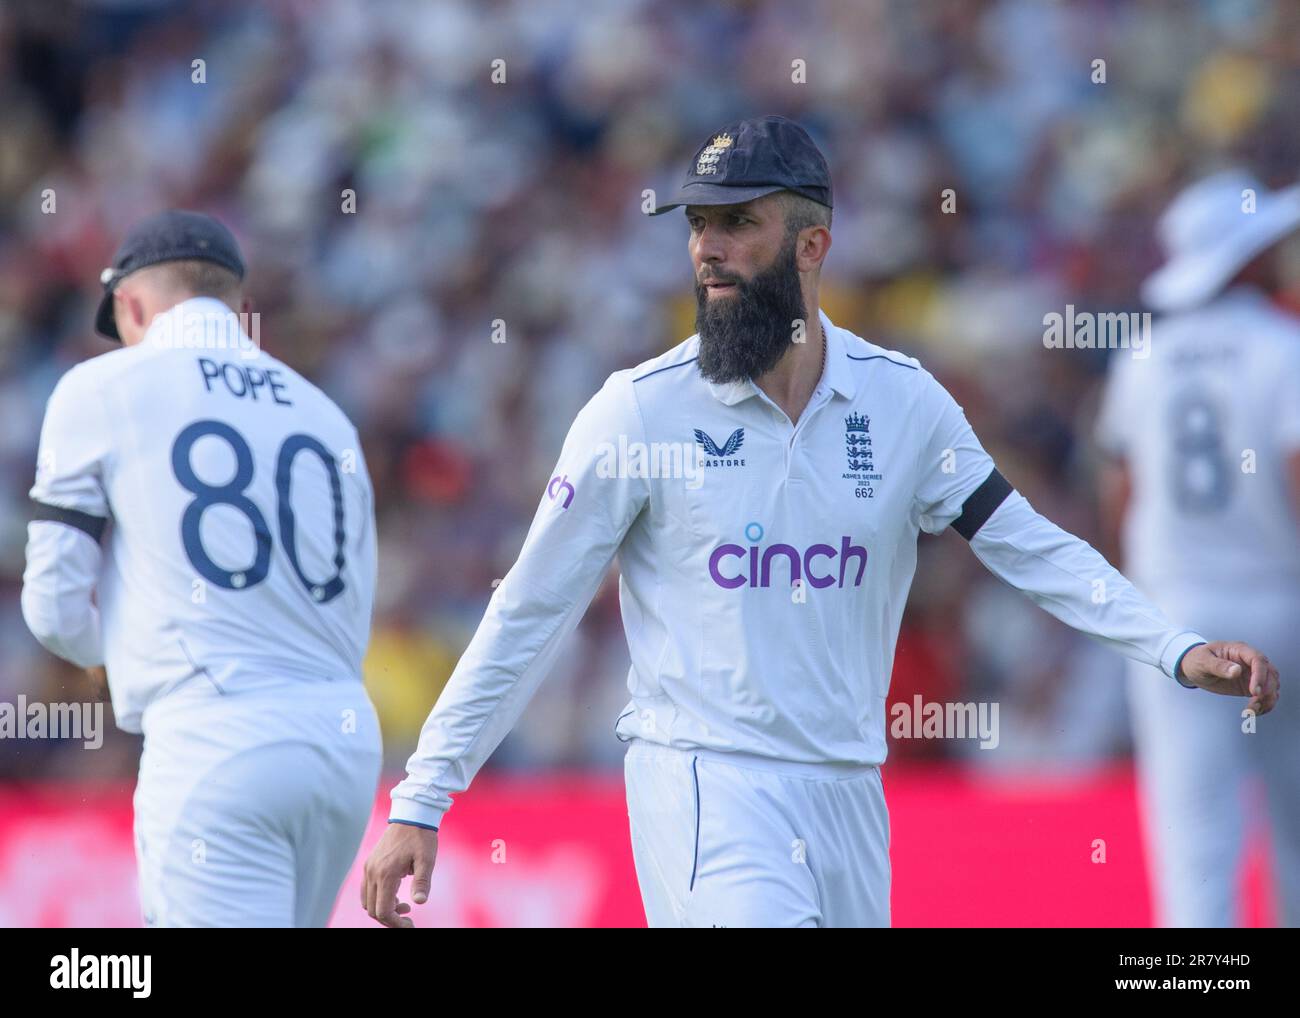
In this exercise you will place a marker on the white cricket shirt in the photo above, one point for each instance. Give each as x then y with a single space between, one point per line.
762 601
241 548
1206 422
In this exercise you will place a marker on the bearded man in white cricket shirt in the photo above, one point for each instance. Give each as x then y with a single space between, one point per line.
762 606
204 528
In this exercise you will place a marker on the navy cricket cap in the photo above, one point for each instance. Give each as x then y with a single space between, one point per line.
171 236
751 158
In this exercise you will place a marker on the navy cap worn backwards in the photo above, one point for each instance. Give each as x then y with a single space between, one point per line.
751 158
171 236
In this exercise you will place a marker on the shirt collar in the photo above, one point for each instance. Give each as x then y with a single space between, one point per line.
199 321
837 374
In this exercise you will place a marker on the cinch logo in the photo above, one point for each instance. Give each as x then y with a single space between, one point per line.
754 565
560 486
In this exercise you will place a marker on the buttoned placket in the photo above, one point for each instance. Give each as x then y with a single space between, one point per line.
819 396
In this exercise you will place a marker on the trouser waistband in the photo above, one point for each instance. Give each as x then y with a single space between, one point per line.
751 761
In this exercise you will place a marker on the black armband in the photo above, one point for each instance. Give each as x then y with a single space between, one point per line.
87 524
981 504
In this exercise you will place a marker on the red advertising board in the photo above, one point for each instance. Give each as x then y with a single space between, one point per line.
554 852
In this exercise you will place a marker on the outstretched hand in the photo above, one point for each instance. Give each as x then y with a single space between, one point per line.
1234 669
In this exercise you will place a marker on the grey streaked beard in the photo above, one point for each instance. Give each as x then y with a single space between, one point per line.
746 337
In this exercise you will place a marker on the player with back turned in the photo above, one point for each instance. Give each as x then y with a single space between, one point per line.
761 606
204 528
1203 478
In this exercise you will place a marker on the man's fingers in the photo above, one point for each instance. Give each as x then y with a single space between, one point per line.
1263 682
389 917
1261 672
402 851
420 884
395 916
1226 668
1269 689
1252 664
1265 685
367 883
372 894
396 921
383 906
370 886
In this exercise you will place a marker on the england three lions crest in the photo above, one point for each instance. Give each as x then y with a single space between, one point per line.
707 164
857 447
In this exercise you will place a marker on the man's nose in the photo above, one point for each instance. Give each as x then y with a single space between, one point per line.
710 246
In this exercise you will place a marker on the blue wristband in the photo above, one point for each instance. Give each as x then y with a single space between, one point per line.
413 823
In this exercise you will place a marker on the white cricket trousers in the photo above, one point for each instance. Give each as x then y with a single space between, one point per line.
722 839
1205 784
251 805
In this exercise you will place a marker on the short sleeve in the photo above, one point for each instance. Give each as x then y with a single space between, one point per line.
953 464
74 446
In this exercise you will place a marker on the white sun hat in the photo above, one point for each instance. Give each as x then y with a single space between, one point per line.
1211 231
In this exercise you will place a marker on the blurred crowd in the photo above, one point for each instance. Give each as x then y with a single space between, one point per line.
498 152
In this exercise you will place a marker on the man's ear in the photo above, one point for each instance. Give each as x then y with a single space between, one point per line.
245 306
124 302
811 250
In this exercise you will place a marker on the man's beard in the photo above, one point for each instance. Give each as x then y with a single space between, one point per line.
746 334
